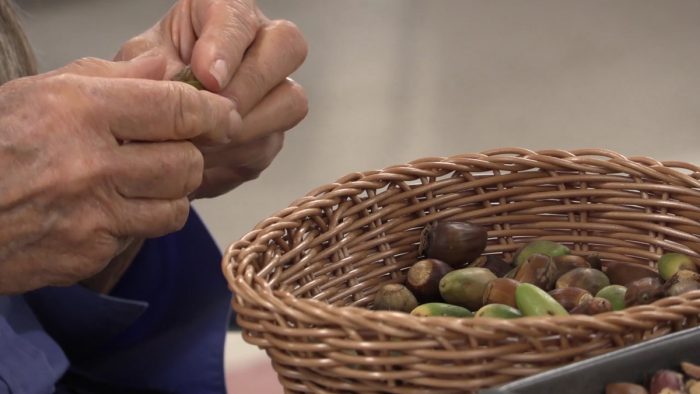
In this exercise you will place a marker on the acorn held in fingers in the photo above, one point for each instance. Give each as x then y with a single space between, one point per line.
670 263
493 263
538 269
644 291
501 291
455 243
187 76
423 279
395 297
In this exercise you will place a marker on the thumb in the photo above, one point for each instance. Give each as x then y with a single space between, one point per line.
143 67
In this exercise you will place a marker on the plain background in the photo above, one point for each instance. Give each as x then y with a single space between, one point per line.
390 81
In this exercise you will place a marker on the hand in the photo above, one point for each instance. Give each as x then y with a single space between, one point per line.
94 156
237 52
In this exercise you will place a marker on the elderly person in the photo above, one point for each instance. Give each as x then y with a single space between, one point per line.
108 282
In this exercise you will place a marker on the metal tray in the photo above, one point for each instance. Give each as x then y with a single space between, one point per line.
635 363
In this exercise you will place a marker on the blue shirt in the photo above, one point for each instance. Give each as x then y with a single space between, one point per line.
161 329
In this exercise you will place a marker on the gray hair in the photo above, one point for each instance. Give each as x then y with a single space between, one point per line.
16 57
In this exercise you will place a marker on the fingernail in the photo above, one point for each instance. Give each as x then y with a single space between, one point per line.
219 70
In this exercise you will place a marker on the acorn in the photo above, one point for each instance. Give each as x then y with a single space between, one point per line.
501 291
666 379
570 297
670 263
187 76
594 261
589 279
441 309
465 287
622 273
533 301
549 248
615 294
455 243
592 306
681 282
423 279
493 263
538 269
567 262
625 388
394 297
499 311
644 291
690 369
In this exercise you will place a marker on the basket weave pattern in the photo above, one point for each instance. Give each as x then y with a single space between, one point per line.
304 279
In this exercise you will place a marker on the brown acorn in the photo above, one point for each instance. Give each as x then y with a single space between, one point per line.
625 388
681 282
570 297
589 279
455 243
423 279
395 297
538 269
501 291
644 291
622 273
493 263
592 306
595 261
567 262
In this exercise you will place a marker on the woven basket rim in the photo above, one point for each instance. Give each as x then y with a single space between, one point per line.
589 159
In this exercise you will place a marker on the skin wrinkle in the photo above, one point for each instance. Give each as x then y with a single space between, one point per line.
100 203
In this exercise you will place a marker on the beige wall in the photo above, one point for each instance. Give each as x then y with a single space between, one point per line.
393 80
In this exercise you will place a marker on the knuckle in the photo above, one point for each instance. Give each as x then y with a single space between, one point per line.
185 106
179 212
194 167
295 41
88 64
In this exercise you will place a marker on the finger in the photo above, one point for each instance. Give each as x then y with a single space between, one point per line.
142 110
149 218
167 170
225 30
146 67
283 108
219 180
248 159
278 50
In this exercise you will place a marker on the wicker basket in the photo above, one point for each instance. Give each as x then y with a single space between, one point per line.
304 278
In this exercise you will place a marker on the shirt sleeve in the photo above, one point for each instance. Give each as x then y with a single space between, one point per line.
161 328
30 361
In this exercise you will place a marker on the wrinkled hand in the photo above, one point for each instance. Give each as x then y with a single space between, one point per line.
94 157
237 52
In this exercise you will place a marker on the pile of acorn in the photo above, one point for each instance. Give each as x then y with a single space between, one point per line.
664 381
544 278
